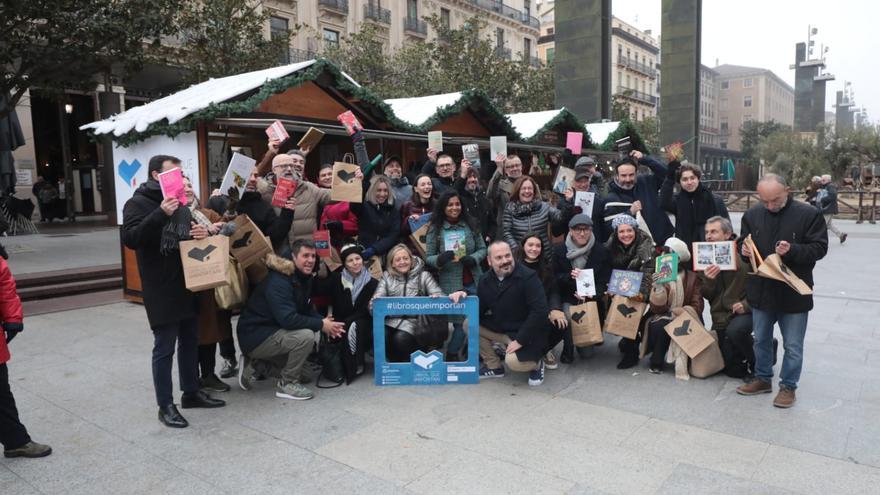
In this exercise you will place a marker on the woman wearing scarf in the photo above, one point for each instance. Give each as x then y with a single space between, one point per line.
350 290
531 255
580 251
456 273
693 205
667 301
527 212
632 250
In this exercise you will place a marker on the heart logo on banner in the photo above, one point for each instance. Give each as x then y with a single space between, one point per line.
127 171
424 361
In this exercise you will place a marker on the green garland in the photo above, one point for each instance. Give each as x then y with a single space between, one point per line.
478 99
626 128
570 122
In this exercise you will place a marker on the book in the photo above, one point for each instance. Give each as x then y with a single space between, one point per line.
471 153
625 283
171 183
415 225
721 253
575 142
666 266
623 145
321 238
564 179
277 132
237 173
586 283
284 189
453 240
435 140
497 144
584 200
310 139
350 122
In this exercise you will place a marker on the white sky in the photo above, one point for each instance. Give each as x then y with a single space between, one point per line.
763 33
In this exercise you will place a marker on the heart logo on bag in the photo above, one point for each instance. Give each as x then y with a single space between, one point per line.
683 330
577 317
425 361
243 241
200 254
345 176
625 310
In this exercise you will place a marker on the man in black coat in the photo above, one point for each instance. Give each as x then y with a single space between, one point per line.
513 311
153 226
796 233
441 168
631 193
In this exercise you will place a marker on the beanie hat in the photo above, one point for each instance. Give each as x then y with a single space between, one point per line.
624 220
678 246
350 249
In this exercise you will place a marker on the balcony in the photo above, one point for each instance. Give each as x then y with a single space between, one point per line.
502 52
499 8
637 95
376 13
415 26
637 66
338 6
295 55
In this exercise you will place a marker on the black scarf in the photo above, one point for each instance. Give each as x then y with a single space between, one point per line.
177 226
691 212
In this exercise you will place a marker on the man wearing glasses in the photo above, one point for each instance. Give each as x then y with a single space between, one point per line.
508 169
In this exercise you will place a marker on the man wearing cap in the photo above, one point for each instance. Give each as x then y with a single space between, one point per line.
400 186
583 182
631 194
580 251
597 181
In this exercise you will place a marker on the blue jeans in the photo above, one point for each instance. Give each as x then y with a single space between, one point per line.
793 327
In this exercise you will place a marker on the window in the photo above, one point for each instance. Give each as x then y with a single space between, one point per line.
331 38
499 37
747 101
724 124
550 30
551 52
444 18
278 28
619 78
725 84
627 81
747 117
412 9
527 49
723 145
747 82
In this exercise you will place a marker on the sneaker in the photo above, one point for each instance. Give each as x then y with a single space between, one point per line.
246 373
785 398
492 373
30 450
293 391
755 387
211 383
536 376
550 360
230 368
842 240
656 369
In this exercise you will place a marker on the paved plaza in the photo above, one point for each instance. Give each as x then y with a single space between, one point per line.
82 382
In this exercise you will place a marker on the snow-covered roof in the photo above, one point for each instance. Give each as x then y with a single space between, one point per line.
599 131
416 111
527 124
193 99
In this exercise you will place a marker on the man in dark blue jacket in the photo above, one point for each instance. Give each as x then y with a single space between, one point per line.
277 328
513 312
630 193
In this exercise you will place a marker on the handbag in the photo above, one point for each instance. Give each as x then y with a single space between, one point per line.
233 295
330 357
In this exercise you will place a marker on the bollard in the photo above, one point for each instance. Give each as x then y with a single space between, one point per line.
861 212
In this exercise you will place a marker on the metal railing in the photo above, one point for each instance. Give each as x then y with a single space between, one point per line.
375 12
866 209
295 55
498 7
415 25
637 95
637 66
340 5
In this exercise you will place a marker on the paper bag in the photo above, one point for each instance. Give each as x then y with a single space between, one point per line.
708 362
585 326
233 296
248 244
419 239
375 268
774 268
346 187
687 331
205 262
334 261
624 316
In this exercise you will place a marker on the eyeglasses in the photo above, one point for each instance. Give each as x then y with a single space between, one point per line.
580 228
284 165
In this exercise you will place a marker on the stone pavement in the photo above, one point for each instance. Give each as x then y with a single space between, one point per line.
63 245
82 381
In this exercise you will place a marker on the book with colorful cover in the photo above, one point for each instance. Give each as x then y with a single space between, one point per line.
435 140
284 189
321 238
277 132
350 122
453 240
415 225
666 266
310 139
471 153
586 283
625 283
237 173
575 142
171 183
564 179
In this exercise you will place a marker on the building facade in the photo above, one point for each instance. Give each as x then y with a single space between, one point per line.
750 93
708 107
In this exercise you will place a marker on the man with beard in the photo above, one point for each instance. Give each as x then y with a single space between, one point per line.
631 193
310 199
513 312
507 170
400 186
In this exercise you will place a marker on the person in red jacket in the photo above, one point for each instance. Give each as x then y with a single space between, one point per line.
13 435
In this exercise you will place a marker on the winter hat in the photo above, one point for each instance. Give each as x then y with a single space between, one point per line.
624 220
678 246
585 161
580 219
350 249
581 172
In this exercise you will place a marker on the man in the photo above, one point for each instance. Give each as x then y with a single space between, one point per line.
827 202
276 330
583 183
631 193
597 181
13 435
153 226
441 168
310 199
325 176
400 186
796 232
731 313
513 312
508 170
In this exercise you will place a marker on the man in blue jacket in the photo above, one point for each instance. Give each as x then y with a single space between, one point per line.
630 193
277 328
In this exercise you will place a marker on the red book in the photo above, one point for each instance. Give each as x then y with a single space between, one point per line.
277 132
283 190
321 239
350 122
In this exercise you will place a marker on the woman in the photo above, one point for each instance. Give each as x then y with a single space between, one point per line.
457 273
378 227
527 212
350 291
632 250
214 323
422 202
693 205
531 255
405 276
667 300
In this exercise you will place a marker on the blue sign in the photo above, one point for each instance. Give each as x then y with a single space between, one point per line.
127 171
430 368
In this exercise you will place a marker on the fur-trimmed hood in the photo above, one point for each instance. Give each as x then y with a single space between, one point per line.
279 264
